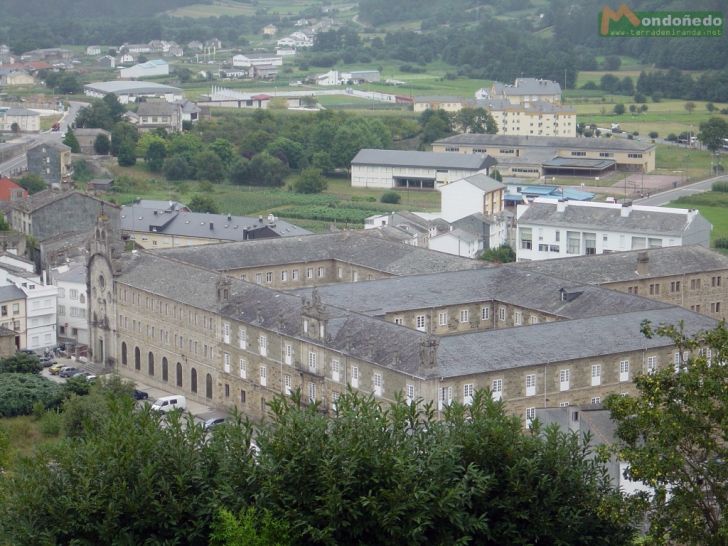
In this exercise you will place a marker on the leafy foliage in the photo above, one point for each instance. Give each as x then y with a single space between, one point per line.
391 197
501 255
21 390
33 183
203 203
102 145
20 363
71 141
713 133
310 181
673 437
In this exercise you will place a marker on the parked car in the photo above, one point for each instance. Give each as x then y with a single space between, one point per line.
47 361
212 422
88 376
169 403
55 369
68 371
139 395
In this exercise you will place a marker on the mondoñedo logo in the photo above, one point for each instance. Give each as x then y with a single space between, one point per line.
625 22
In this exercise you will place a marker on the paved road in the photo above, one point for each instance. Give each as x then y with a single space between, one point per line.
662 198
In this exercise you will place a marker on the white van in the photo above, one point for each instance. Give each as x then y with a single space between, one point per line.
169 403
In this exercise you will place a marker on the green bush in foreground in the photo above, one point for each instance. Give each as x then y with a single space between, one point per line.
20 391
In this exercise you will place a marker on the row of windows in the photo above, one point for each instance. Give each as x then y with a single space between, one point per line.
72 294
4 309
162 308
78 312
676 286
163 336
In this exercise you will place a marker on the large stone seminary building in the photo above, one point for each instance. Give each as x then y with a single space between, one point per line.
234 324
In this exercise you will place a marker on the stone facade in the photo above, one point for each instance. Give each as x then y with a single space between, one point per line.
50 161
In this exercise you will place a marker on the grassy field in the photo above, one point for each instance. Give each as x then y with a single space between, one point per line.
232 8
712 205
24 436
254 201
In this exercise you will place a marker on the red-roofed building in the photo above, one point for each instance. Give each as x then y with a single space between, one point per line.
10 191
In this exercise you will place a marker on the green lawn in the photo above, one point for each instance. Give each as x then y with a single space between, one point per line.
712 205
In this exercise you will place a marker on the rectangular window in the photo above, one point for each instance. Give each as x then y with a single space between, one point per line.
563 404
624 370
410 393
695 284
335 370
654 290
445 398
651 364
564 380
321 272
243 368
501 313
573 242
596 400
243 338
590 243
526 238
496 389
485 313
355 377
226 332
263 345
312 361
226 362
284 276
16 308
715 307
377 384
289 354
287 384
675 286
530 384
259 278
442 318
263 376
340 273
309 272
518 318
468 391
596 375
398 320
294 275
73 293
61 292
715 281
269 277
530 416
420 320
464 316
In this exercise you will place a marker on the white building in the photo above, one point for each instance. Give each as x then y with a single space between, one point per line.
70 280
548 229
26 121
128 92
257 59
40 305
478 193
523 90
335 77
155 67
93 50
532 117
410 169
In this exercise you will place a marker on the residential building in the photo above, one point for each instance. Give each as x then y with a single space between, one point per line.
531 118
128 92
189 111
107 61
151 227
523 90
93 50
136 48
477 193
51 161
447 103
10 191
691 276
548 229
70 280
19 120
10 77
471 235
159 114
7 342
40 306
126 58
256 59
87 138
155 67
535 156
100 184
13 313
336 77
410 169
434 336
50 54
270 30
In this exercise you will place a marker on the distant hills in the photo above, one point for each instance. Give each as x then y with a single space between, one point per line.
89 9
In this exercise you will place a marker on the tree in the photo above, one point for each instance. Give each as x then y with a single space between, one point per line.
266 170
289 152
250 529
71 141
207 165
310 181
672 435
224 150
33 183
203 203
20 363
710 107
619 109
239 171
502 255
475 120
102 145
127 155
690 106
612 62
496 175
155 155
120 134
633 108
713 133
15 128
115 108
176 168
391 197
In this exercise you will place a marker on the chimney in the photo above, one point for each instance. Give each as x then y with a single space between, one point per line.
229 217
626 209
643 262
561 205
212 226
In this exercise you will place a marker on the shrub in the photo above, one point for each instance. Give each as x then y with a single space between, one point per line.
22 390
50 423
720 186
721 243
20 363
672 137
654 134
391 197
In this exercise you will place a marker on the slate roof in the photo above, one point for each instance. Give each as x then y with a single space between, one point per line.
76 273
434 160
197 224
595 337
508 285
547 141
355 247
119 86
484 182
10 292
20 112
605 216
528 86
46 197
622 266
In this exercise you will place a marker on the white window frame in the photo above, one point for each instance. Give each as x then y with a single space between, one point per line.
501 313
335 370
651 364
288 356
263 345
312 361
355 377
226 362
624 370
410 393
530 416
531 384
564 379
226 332
596 375
517 318
468 392
263 376
496 389
243 368
444 398
442 318
421 322
485 313
464 316
377 384
287 384
243 338
311 393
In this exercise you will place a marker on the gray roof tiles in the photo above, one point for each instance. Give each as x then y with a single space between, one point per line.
408 158
11 292
356 247
547 141
622 266
484 182
646 220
